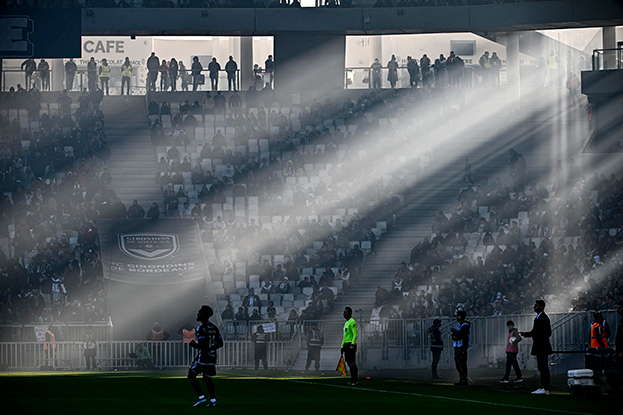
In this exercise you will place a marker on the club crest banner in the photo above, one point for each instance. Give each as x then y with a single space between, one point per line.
151 252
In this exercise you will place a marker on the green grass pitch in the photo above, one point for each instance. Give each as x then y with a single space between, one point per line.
115 393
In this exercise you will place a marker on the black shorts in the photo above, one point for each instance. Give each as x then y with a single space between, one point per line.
208 369
349 354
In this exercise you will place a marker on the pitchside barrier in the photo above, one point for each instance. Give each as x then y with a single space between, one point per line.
382 344
26 356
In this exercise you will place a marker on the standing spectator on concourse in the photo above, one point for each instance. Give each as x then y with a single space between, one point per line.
413 69
91 73
104 71
231 67
496 65
195 70
173 74
183 75
552 68
29 66
485 68
541 347
44 71
164 75
425 68
376 74
153 64
70 73
392 72
460 336
269 68
213 68
126 74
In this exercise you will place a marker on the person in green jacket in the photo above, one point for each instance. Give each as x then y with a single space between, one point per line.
349 345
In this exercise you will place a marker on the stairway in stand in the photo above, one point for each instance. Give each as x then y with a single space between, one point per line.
528 131
132 163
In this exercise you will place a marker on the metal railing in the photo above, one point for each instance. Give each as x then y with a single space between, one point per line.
398 344
604 59
118 355
364 78
184 82
187 81
13 77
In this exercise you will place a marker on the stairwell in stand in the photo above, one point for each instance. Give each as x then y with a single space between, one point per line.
132 163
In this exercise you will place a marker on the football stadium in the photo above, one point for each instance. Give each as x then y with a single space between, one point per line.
281 206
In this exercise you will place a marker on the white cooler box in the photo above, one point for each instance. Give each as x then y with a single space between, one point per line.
580 377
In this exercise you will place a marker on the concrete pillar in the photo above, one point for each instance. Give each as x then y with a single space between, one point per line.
216 47
609 37
310 62
261 51
58 75
376 49
246 62
388 50
512 70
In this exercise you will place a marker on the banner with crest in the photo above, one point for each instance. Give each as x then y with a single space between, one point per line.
151 252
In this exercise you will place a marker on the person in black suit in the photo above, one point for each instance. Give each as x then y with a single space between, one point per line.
541 347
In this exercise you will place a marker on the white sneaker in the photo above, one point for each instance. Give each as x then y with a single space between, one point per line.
200 402
540 391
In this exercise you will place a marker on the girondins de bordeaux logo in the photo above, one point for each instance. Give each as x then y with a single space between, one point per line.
149 246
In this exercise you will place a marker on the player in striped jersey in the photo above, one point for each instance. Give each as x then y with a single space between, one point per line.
208 341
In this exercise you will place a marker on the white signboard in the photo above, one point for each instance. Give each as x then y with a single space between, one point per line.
269 327
40 333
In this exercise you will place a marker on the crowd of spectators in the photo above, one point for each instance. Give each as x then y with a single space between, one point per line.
500 249
55 186
244 174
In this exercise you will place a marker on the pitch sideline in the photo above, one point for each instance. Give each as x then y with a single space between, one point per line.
437 397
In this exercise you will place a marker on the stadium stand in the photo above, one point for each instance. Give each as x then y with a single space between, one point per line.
55 186
237 199
500 250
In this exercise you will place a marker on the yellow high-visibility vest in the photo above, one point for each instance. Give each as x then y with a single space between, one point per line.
126 70
552 62
105 71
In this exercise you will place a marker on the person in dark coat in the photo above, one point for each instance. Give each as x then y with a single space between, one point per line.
541 347
153 212
260 340
436 345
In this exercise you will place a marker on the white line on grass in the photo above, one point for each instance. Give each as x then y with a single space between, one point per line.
436 397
